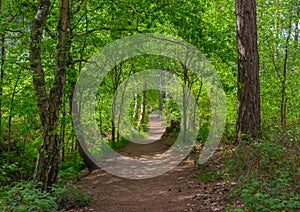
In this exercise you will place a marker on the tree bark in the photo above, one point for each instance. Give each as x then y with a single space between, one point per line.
162 95
248 106
1 72
296 37
283 101
116 80
141 120
136 107
47 164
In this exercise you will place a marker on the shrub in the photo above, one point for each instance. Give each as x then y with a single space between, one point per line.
267 173
25 196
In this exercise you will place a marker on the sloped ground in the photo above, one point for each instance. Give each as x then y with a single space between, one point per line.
177 190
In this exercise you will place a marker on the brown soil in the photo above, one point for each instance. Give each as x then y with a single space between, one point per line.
177 190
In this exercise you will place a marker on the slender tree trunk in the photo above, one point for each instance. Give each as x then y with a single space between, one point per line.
136 107
162 95
47 165
1 72
116 79
113 119
81 148
90 164
196 103
62 132
248 107
143 107
283 101
296 37
122 102
185 97
10 118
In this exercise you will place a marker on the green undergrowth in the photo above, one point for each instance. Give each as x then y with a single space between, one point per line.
20 195
70 168
118 144
267 173
26 196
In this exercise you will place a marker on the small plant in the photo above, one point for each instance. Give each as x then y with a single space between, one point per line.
267 175
70 169
119 144
274 195
25 196
72 197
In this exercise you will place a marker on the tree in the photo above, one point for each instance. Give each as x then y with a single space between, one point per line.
248 106
47 164
1 72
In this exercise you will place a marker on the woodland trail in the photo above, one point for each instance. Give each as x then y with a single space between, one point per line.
177 190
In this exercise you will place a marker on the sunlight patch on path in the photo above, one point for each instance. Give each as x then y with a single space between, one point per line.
156 128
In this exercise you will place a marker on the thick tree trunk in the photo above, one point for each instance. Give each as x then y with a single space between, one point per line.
47 165
248 107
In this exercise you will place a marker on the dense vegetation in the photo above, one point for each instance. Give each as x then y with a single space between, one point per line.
266 169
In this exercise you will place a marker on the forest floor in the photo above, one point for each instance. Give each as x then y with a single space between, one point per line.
177 190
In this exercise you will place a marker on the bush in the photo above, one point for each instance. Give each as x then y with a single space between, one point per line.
25 196
72 197
70 169
276 195
267 173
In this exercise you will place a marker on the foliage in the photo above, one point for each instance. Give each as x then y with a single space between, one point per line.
71 197
267 173
275 195
70 169
117 145
26 196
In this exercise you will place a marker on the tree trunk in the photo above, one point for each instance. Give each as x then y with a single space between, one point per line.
62 132
113 119
1 72
136 107
116 80
283 101
296 37
89 163
121 104
10 118
162 95
47 165
248 107
142 108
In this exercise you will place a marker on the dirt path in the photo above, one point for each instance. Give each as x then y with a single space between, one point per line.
177 190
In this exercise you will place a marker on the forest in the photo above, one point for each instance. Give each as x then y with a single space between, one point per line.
188 105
